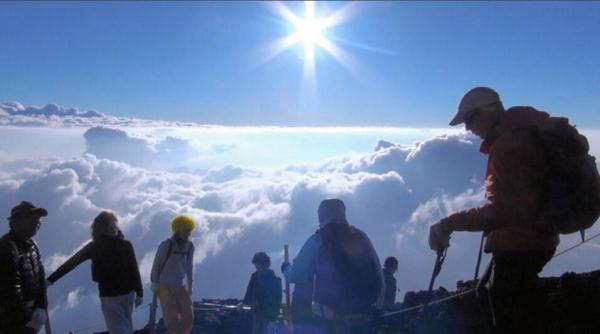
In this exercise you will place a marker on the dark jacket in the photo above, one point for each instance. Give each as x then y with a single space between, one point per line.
21 280
264 294
517 175
301 310
114 266
389 296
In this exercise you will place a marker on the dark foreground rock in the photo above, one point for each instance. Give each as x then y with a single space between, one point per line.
573 302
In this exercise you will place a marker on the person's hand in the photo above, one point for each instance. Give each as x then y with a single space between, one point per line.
285 266
154 287
439 236
38 318
48 283
138 301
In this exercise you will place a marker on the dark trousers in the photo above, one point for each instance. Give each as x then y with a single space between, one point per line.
260 324
517 306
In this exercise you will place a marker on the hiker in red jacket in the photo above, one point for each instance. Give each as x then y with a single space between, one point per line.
516 180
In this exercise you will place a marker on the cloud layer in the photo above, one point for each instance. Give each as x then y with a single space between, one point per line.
393 193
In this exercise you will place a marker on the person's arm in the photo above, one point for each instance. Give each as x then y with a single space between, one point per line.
10 298
82 255
159 259
514 190
190 266
249 296
305 262
375 259
137 279
41 299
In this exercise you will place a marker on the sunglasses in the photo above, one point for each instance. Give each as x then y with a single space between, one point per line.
470 117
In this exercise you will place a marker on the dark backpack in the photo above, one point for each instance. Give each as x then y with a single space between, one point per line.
347 277
573 188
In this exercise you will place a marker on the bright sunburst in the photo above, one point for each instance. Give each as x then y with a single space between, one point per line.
309 29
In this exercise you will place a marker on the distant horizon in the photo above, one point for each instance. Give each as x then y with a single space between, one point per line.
178 123
246 63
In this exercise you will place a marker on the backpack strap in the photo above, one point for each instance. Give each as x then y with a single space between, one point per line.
162 266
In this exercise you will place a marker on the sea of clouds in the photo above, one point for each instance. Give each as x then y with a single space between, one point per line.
251 189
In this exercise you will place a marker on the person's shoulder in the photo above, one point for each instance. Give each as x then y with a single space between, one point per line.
165 243
6 244
127 243
315 239
359 231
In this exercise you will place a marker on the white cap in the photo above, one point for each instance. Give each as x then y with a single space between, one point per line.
475 98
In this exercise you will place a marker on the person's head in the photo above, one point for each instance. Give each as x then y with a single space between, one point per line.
261 261
480 109
331 210
182 226
391 264
25 219
105 224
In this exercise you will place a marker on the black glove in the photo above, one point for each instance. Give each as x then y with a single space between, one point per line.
439 236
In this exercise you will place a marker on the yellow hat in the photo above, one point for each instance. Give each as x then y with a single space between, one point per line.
183 222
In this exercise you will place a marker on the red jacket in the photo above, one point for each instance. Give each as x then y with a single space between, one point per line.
515 186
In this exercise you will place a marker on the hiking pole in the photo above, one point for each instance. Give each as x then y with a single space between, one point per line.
152 317
441 256
47 327
286 256
479 257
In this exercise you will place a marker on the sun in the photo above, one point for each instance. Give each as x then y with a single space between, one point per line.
309 30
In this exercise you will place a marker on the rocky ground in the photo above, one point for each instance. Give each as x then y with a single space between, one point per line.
573 302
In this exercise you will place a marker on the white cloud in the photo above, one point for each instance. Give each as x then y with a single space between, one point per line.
14 113
393 193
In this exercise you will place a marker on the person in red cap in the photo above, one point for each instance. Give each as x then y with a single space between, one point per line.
23 300
516 178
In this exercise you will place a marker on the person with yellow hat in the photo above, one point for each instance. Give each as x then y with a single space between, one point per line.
172 276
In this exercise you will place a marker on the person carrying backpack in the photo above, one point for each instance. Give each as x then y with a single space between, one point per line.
263 294
172 276
114 268
348 282
540 181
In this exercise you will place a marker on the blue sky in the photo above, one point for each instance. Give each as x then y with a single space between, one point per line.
254 187
202 61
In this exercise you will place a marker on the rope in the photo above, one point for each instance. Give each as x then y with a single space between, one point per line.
437 301
577 245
